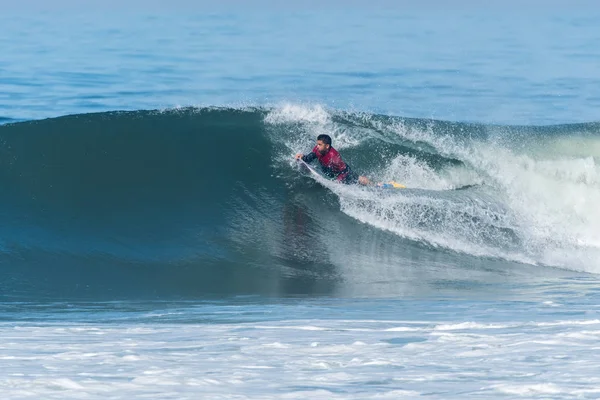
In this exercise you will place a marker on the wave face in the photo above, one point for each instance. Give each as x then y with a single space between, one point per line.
195 201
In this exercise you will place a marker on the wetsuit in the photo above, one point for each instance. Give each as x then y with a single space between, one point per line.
332 165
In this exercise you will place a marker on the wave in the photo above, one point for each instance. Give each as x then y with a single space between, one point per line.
197 196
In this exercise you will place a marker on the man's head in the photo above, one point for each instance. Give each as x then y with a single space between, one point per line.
323 143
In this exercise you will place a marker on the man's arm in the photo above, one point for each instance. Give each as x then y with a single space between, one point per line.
306 158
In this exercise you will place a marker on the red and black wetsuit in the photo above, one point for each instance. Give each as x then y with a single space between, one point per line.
332 165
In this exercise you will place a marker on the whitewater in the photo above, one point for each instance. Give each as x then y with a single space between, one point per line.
158 240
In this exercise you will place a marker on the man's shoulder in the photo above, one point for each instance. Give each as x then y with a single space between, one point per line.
334 152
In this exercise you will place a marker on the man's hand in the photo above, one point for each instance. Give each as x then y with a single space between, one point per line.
299 156
363 180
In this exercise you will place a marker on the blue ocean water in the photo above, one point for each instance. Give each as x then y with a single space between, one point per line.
158 241
493 66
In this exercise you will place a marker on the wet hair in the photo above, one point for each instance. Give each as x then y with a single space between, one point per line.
325 139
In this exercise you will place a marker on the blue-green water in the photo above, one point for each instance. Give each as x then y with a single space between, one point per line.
157 239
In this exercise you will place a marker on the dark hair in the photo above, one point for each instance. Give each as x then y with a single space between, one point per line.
325 139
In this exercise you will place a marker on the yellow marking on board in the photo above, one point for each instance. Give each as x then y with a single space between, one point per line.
397 185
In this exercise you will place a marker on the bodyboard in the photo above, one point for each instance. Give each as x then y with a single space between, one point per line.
380 185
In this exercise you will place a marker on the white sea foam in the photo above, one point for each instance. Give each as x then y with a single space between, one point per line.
350 359
537 204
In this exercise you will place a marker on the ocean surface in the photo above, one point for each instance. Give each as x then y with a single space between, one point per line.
157 239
